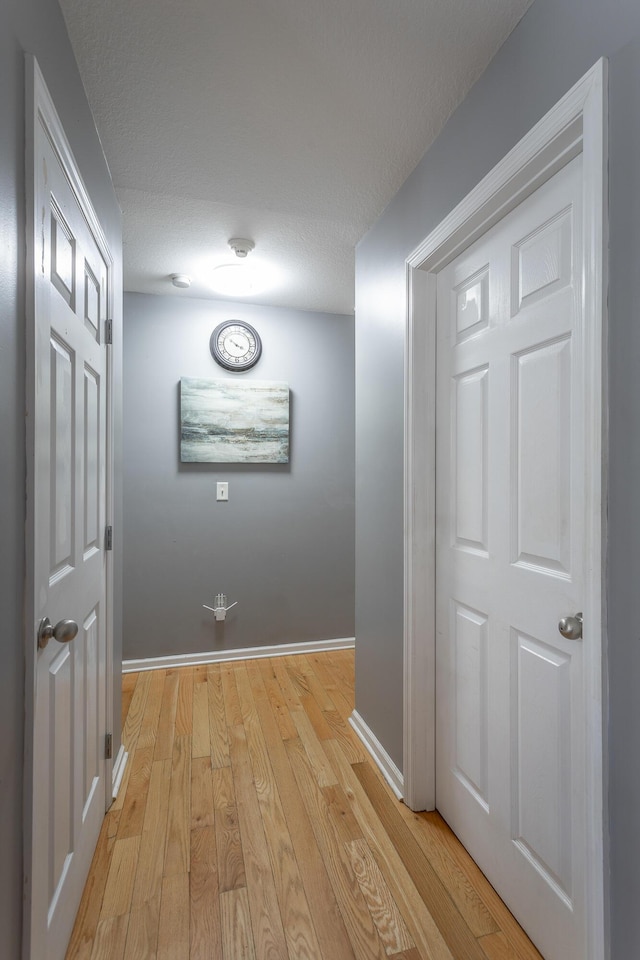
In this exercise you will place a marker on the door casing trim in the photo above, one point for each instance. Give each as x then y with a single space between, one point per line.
576 125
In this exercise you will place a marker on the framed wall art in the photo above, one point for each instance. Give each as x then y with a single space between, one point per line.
227 421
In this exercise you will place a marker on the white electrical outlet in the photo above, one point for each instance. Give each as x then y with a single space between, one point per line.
222 490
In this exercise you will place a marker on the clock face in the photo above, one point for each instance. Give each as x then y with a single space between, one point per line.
235 345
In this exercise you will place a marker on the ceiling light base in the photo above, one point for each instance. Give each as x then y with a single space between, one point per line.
241 247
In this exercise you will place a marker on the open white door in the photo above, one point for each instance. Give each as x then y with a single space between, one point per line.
505 400
67 413
510 560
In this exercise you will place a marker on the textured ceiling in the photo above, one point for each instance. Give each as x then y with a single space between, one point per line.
292 122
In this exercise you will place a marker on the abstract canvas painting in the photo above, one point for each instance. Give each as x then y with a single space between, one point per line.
226 421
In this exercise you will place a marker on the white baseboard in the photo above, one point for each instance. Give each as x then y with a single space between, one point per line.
245 653
382 759
118 771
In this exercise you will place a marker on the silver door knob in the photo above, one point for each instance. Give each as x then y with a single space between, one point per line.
571 627
64 631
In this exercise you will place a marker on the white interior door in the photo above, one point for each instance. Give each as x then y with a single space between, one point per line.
510 562
67 556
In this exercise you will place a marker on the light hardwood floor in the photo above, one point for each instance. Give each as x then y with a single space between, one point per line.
252 825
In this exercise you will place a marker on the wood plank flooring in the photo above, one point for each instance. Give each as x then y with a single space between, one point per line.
252 825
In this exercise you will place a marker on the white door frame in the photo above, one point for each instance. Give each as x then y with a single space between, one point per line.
577 124
40 110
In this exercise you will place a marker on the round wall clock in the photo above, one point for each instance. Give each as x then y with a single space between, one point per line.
235 345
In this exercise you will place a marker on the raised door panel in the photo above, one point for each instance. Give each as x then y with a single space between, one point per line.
90 751
541 468
60 786
470 311
469 628
542 261
542 760
469 459
62 453
92 304
63 256
91 462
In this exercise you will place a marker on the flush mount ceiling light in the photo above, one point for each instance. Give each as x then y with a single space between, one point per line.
238 278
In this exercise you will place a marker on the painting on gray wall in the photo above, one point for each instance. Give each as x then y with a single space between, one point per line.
224 421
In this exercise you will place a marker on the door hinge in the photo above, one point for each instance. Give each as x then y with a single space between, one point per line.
108 331
108 538
108 746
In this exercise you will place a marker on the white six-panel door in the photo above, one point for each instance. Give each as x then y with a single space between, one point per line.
510 481
68 491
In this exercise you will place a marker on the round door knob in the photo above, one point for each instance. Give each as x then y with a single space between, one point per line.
64 631
571 627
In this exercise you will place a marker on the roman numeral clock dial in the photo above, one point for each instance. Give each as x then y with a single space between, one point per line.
235 345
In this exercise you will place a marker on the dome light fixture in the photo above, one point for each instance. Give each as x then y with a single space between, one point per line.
238 278
181 280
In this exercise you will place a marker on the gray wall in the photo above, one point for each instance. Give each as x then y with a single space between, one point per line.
283 546
553 46
35 26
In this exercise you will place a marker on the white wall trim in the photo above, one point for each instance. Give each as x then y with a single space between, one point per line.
378 753
119 765
577 124
244 653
